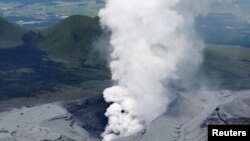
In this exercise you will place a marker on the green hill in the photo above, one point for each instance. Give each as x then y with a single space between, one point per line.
71 42
60 55
64 55
227 67
71 35
10 34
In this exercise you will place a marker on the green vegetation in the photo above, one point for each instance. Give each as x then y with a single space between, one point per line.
227 66
70 42
71 36
10 34
72 39
61 55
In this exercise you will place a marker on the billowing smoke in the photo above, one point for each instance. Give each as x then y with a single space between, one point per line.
153 45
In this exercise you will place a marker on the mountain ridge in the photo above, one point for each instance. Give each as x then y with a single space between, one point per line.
65 54
7 38
45 59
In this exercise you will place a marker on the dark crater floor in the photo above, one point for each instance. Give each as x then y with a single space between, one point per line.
89 113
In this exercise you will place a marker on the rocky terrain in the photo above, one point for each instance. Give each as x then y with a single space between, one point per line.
48 122
54 122
83 120
187 118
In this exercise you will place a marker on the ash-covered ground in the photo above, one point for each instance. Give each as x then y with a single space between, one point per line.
84 120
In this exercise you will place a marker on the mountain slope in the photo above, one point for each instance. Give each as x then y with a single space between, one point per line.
61 55
71 36
10 34
64 54
187 117
48 122
227 67
71 42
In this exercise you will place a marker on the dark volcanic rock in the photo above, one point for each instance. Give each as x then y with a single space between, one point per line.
89 113
236 112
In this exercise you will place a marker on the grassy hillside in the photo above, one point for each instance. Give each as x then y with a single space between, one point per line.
71 42
227 67
48 59
73 36
64 55
10 34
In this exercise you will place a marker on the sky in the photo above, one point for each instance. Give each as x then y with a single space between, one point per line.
43 12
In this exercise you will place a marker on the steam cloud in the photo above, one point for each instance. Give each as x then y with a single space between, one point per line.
153 45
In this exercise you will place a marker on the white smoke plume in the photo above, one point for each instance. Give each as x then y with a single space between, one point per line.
153 44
